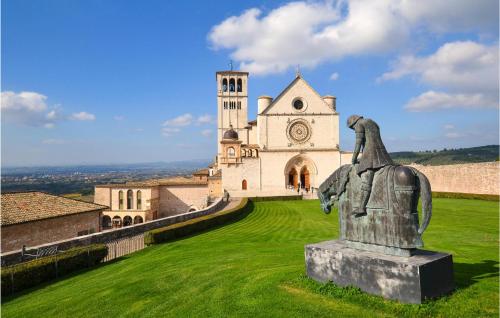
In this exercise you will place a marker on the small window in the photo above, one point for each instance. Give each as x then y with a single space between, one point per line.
130 195
224 85
244 184
120 200
230 152
139 200
225 105
239 105
298 104
231 85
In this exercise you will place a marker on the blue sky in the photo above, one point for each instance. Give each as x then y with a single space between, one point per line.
134 81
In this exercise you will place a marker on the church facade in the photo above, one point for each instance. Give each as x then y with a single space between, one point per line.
292 146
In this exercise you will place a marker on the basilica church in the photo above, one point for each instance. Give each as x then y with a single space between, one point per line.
293 145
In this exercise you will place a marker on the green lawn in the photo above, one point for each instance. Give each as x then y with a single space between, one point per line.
255 268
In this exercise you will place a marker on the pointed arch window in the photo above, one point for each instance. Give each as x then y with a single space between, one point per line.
130 196
239 86
231 85
224 85
139 200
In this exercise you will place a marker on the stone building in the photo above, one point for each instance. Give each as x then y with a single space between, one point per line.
293 143
35 218
137 202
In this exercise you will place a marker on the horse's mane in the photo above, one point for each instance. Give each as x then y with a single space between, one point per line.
341 174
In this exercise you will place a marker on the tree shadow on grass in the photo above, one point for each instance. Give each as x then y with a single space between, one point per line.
467 274
8 298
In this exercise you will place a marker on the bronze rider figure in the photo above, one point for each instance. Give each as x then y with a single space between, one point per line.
374 156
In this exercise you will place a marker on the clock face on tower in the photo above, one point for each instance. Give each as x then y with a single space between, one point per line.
299 131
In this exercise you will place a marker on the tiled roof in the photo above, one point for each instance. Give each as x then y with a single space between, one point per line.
201 172
23 207
181 181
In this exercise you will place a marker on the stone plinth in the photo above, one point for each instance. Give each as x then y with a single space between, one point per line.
411 279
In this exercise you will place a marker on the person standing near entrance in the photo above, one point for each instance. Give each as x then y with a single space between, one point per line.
374 157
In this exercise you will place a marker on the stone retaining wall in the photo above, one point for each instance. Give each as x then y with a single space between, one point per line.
14 257
478 178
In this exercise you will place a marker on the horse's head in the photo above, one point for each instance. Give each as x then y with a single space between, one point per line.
328 191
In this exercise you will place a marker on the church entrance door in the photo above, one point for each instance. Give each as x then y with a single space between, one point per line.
305 180
293 180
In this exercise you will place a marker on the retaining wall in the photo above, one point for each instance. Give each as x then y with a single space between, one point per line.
479 178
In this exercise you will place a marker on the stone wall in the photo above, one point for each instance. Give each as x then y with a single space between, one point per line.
14 257
182 198
48 230
479 178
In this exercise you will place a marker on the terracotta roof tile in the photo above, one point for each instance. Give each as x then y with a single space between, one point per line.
23 207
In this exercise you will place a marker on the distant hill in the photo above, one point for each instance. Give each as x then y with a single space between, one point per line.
448 156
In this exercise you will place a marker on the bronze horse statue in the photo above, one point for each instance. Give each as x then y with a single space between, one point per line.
392 216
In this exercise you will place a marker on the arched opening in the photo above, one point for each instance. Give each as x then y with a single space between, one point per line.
244 184
117 221
130 197
239 86
120 200
230 152
138 219
106 222
293 180
127 220
231 85
305 179
224 85
192 209
139 200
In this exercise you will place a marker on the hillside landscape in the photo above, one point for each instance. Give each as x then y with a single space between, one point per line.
448 156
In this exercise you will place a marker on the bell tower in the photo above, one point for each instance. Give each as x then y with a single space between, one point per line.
232 104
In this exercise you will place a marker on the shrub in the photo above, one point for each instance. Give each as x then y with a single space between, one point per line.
181 229
277 198
471 196
28 274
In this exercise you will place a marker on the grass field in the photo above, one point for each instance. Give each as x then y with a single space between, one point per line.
255 268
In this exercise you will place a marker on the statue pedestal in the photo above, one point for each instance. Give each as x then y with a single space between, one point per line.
411 279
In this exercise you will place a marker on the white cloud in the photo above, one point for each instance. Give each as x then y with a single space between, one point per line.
449 126
461 66
465 73
169 131
53 141
119 118
205 119
180 121
207 132
309 33
453 134
334 76
83 116
432 100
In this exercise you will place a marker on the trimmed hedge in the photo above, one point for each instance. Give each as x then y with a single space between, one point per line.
471 196
181 229
277 198
28 274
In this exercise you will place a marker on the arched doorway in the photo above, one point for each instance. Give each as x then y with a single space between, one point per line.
293 180
138 219
106 222
244 184
305 179
127 221
300 171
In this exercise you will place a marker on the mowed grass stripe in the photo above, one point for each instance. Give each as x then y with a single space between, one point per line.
255 268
